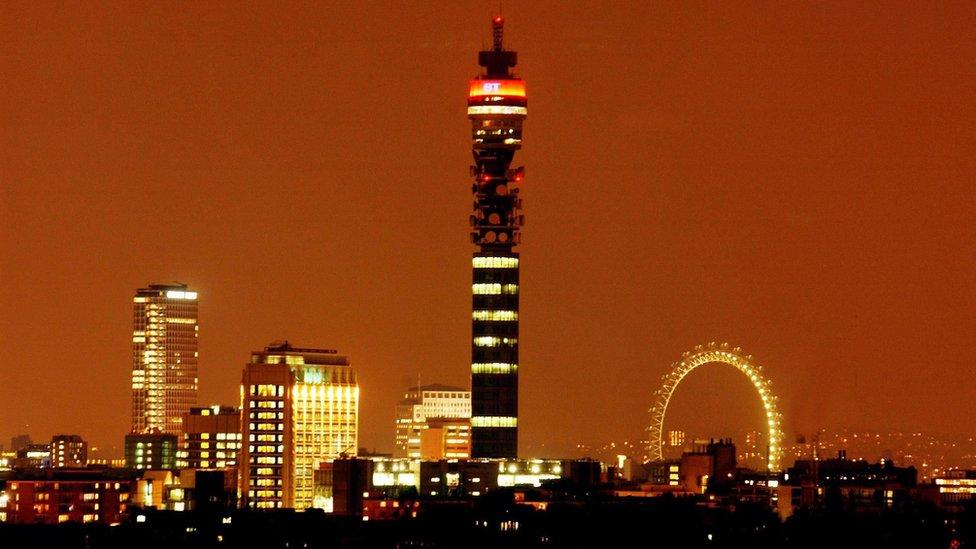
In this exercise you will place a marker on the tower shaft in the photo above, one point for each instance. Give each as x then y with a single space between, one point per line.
496 108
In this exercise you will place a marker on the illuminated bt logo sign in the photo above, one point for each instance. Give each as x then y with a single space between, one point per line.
505 88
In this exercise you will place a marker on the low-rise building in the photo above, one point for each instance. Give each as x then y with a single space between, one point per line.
54 496
33 456
953 490
853 485
434 422
211 438
150 451
68 451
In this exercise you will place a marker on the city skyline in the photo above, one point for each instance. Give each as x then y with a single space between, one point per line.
708 201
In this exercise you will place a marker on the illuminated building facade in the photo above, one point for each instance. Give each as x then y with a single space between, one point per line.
496 108
150 451
955 489
433 422
446 438
300 408
68 451
164 357
211 438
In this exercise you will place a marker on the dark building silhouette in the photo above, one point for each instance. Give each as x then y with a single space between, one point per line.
350 479
19 442
853 485
707 466
496 108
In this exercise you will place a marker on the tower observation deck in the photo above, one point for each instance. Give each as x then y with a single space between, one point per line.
496 108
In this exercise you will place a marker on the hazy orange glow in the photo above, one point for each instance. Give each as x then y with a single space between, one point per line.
795 178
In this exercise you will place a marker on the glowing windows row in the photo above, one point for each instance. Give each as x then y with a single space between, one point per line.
497 109
494 421
493 341
495 262
494 289
493 368
176 294
268 390
497 316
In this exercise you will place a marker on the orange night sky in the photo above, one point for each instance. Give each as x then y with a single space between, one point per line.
794 178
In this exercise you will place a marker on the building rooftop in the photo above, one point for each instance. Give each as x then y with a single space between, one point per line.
214 410
68 438
156 287
438 387
279 352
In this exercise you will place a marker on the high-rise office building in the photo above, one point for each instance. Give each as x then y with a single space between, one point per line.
300 408
68 451
211 438
496 108
438 415
164 357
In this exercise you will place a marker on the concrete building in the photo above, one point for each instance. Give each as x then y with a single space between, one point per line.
211 438
433 422
708 466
